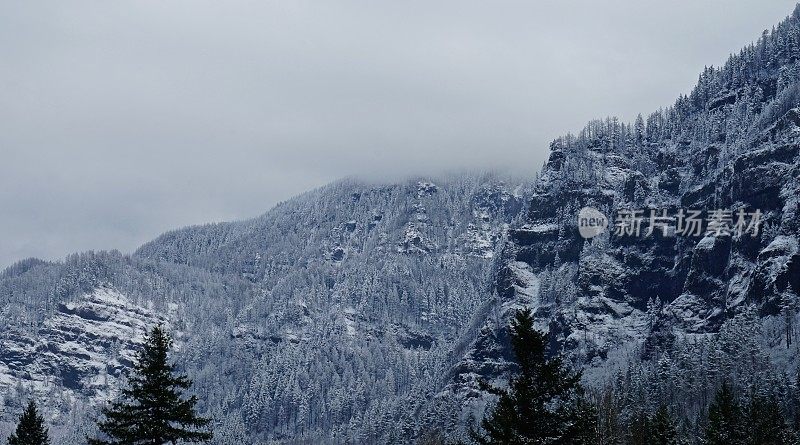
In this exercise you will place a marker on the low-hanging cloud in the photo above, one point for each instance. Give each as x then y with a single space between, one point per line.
119 120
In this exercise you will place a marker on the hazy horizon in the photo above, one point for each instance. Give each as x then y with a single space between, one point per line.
122 121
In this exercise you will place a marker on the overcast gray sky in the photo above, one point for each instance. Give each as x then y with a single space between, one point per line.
120 120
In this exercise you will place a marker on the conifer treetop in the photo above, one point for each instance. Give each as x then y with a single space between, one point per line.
152 408
31 429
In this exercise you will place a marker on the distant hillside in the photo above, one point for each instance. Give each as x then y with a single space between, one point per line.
332 315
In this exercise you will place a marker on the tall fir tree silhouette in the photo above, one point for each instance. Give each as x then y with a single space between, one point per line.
663 428
152 409
31 429
639 430
724 419
544 401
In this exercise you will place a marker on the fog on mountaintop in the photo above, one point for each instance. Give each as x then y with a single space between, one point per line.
122 120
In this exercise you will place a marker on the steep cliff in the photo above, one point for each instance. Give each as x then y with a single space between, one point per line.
617 301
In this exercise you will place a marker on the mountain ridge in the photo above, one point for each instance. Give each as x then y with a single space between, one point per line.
369 313
389 270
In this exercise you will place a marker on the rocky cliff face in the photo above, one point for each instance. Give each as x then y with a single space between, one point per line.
78 353
732 145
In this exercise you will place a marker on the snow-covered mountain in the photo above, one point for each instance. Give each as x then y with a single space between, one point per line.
333 315
366 313
650 313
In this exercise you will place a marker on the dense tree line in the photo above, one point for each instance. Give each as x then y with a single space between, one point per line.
545 402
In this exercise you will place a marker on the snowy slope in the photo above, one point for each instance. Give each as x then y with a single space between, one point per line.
332 315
